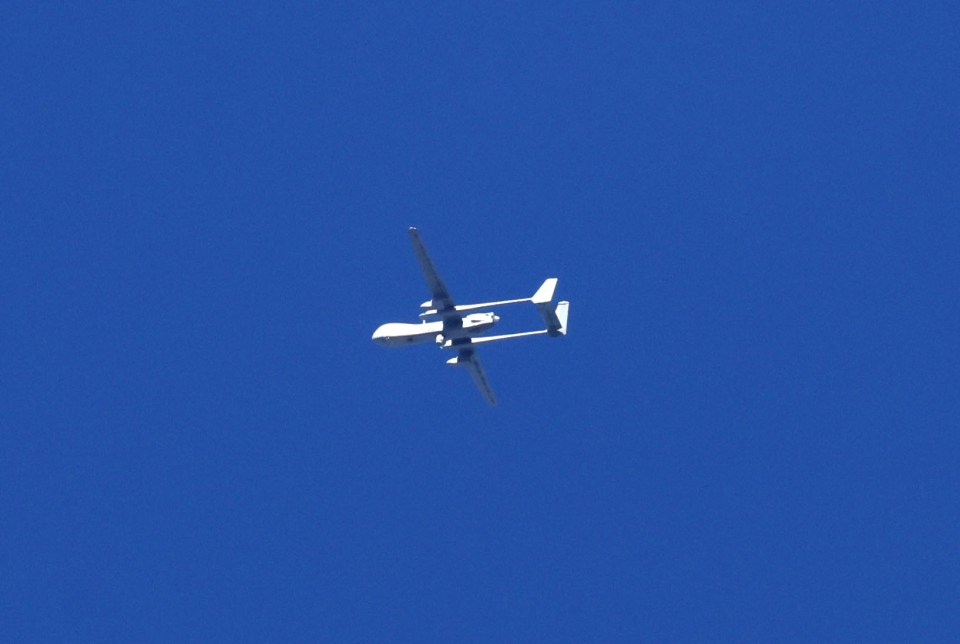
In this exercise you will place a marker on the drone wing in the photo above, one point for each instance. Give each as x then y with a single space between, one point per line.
442 301
468 358
444 307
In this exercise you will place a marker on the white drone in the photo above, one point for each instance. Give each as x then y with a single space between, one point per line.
453 328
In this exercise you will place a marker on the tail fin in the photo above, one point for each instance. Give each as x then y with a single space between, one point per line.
555 317
544 294
563 309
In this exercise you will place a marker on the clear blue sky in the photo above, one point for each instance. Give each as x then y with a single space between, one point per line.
750 433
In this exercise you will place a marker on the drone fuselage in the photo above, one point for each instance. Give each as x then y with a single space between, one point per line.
400 334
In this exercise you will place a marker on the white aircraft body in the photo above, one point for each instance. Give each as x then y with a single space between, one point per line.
456 328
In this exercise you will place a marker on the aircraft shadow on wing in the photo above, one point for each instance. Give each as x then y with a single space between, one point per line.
459 327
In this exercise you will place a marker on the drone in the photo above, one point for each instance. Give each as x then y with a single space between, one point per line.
458 328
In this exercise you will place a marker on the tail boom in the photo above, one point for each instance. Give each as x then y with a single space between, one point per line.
544 295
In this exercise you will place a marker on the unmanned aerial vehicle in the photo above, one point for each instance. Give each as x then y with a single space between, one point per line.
458 328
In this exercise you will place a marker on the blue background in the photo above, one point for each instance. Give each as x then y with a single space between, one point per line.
750 433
